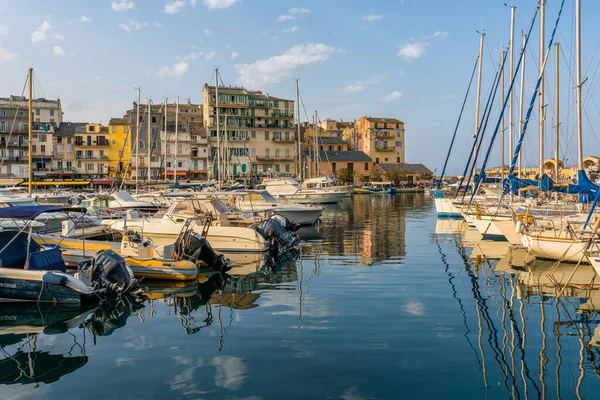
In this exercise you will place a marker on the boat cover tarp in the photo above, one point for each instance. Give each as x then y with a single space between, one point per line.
15 254
584 187
47 260
26 212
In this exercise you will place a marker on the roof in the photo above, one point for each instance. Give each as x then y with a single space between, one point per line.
408 169
70 128
393 120
331 140
352 155
118 121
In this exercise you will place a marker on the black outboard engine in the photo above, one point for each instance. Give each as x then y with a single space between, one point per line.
194 247
110 270
288 224
275 232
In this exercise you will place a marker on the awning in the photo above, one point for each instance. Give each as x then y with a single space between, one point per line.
42 160
104 181
179 173
58 183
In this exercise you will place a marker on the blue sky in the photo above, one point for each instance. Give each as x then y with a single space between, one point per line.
408 59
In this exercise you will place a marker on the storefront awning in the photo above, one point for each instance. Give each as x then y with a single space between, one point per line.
57 183
106 182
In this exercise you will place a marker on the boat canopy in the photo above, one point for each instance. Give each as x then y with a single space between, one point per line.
31 212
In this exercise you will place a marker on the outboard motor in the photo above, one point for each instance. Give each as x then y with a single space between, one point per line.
194 247
274 231
108 269
288 224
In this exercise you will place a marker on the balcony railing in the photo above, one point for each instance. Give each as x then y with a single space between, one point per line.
93 158
384 149
274 158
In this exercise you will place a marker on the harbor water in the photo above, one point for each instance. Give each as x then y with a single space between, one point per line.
378 305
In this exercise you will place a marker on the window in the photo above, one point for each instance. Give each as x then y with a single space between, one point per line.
386 159
267 153
276 104
266 135
287 166
377 160
264 167
43 138
43 149
69 165
333 168
287 136
253 152
366 166
3 126
179 164
37 120
141 145
286 104
398 160
51 119
114 129
153 120
114 141
253 135
377 144
37 111
52 113
33 148
398 143
120 154
287 153
59 164
91 128
21 113
89 167
101 153
2 113
277 153
68 140
330 148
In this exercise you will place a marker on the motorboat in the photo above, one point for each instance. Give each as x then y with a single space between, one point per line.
123 201
291 191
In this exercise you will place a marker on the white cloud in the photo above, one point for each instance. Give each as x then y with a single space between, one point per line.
122 5
234 55
58 51
293 14
372 17
292 29
395 95
174 7
277 68
412 51
440 34
415 308
214 4
83 19
193 3
361 85
132 25
175 71
448 97
230 372
6 55
179 68
207 33
4 30
44 33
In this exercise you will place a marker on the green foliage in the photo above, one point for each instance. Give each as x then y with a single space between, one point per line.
396 176
375 176
344 175
425 177
364 178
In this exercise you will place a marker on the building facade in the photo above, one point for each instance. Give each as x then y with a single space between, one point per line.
257 132
331 162
382 139
119 148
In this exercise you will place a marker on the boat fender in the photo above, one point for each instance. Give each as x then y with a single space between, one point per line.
55 279
519 227
77 285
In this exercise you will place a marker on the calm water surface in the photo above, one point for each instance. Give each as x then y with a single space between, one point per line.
377 306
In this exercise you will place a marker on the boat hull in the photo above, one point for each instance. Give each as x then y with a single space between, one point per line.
445 209
29 286
554 248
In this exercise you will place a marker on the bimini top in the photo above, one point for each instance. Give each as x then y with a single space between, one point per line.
31 212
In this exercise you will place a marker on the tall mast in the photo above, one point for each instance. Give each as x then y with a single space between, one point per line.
298 140
557 117
149 139
521 96
541 93
166 128
176 133
511 72
477 104
30 135
579 83
137 141
502 150
218 129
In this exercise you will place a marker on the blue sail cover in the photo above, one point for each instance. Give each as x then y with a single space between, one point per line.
584 187
512 184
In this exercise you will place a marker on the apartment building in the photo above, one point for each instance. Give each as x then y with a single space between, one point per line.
333 128
44 110
119 148
382 139
91 152
64 161
257 131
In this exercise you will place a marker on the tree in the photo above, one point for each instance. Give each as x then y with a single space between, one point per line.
364 178
375 176
344 175
396 176
427 176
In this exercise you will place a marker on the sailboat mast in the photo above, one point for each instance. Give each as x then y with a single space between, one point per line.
502 150
578 84
557 117
298 139
218 129
30 135
149 139
137 141
521 97
165 140
541 92
477 104
511 72
176 133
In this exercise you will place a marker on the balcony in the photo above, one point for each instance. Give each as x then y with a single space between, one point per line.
15 143
199 139
284 140
385 149
274 158
383 134
91 158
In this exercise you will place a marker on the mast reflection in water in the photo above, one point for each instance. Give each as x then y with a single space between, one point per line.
381 302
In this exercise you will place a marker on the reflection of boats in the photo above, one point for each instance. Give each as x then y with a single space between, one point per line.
450 226
24 318
489 249
38 367
309 233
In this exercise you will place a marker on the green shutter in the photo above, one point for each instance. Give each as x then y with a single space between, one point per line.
266 135
253 134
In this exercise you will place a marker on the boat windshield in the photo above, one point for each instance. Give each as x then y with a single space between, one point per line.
266 196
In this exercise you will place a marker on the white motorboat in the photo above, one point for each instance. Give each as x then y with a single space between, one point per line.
123 201
291 191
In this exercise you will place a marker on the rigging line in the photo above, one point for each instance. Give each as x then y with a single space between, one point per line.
462 109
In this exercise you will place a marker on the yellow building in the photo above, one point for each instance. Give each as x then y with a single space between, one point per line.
382 139
119 148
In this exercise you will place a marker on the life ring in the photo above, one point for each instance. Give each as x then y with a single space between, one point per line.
231 202
525 217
